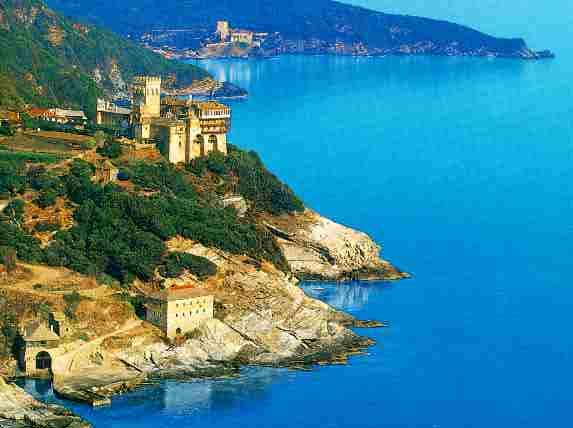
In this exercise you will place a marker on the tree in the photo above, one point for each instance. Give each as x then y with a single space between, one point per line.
15 211
100 138
9 258
174 264
9 331
47 198
72 301
111 149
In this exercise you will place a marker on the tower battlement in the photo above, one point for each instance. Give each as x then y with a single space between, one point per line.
147 79
147 95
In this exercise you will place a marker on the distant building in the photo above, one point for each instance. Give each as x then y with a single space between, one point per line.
182 129
223 30
180 310
41 114
57 115
69 117
110 114
242 37
239 36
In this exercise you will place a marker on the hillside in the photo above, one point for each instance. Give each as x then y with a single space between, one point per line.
50 60
304 26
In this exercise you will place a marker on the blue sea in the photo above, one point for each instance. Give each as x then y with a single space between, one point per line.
463 169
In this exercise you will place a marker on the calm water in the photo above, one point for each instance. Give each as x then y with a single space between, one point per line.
463 169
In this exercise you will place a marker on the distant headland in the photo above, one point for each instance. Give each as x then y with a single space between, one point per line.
260 29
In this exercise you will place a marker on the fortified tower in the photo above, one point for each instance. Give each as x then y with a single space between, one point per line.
147 96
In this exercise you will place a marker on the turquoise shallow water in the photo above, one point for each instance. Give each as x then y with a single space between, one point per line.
463 169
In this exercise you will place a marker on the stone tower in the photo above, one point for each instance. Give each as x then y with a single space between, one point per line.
147 96
223 30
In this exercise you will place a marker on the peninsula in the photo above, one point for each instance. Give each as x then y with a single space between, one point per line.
262 28
136 242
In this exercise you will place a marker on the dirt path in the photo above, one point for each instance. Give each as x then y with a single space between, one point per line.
66 363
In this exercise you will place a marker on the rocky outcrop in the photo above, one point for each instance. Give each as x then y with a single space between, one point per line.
262 317
19 410
317 248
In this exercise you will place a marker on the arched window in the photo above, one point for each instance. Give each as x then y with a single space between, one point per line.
213 142
43 361
201 141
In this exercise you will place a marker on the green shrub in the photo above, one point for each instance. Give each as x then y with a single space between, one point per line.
27 247
15 210
46 198
8 257
47 227
72 302
162 177
11 179
260 186
111 149
174 264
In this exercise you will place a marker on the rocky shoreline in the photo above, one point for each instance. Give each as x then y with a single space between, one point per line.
19 410
262 318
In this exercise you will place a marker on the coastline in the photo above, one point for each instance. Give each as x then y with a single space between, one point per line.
263 318
530 56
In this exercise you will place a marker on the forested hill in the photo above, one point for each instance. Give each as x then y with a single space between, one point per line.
46 59
316 21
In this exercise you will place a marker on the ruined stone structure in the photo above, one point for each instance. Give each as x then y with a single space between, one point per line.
105 172
59 324
182 129
179 310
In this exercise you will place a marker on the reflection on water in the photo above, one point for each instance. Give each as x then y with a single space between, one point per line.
349 297
175 398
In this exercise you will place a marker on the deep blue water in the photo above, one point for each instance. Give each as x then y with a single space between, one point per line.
463 168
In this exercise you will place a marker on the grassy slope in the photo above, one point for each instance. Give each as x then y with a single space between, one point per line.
37 70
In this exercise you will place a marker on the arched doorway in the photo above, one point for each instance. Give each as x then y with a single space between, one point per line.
43 361
201 141
213 143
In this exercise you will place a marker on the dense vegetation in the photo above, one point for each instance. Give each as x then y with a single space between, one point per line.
174 264
295 19
255 182
48 60
121 234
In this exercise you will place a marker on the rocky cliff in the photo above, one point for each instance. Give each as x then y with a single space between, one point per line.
317 248
20 410
262 317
